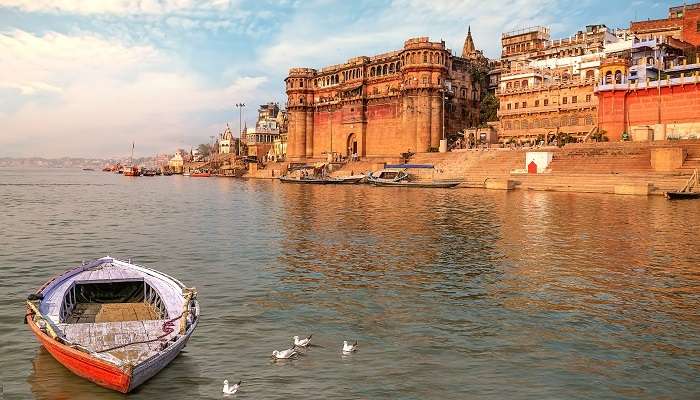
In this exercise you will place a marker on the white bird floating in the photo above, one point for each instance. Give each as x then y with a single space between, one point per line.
302 342
231 389
284 354
349 348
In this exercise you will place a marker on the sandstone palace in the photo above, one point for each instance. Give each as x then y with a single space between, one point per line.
387 104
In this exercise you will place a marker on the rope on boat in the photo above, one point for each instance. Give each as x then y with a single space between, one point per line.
168 328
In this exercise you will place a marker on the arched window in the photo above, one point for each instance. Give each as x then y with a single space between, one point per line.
384 70
464 92
425 57
524 83
608 77
509 85
618 76
432 58
398 66
516 85
590 74
301 83
371 72
391 68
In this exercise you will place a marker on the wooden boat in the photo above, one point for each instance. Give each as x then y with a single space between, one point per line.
130 171
398 177
347 180
200 174
114 323
689 191
149 172
304 180
682 195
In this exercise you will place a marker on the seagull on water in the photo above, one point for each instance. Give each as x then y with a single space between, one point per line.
302 342
349 348
231 389
284 354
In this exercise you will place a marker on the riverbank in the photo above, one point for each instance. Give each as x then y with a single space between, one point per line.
630 168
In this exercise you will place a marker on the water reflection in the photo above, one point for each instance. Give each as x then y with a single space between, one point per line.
450 293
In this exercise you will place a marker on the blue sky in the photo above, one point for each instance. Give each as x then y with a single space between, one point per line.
86 77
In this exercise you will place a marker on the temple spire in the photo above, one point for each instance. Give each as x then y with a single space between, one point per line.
469 50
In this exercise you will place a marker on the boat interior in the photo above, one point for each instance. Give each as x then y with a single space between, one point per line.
114 301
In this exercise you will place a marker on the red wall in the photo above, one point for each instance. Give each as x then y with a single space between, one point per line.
678 104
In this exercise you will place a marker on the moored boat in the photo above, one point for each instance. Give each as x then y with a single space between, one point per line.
347 180
130 170
398 176
304 179
200 174
114 323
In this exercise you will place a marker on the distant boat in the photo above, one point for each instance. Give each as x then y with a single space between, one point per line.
149 172
200 174
130 171
691 190
397 175
304 180
347 180
114 323
88 169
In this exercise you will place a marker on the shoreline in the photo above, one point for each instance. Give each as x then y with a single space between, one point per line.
622 168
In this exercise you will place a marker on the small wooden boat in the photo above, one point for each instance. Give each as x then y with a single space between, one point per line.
114 323
149 172
304 180
689 191
398 177
200 174
347 180
682 195
130 171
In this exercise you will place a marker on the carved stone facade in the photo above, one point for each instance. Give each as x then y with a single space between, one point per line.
383 105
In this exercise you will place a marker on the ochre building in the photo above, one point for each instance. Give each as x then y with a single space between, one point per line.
384 105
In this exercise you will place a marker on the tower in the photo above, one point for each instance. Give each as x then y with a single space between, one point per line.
469 50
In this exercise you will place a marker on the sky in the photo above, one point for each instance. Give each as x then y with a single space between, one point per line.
86 78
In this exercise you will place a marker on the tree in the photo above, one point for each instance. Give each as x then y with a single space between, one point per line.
204 149
488 109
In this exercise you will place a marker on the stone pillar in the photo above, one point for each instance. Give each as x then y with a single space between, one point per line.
422 123
436 121
309 115
299 118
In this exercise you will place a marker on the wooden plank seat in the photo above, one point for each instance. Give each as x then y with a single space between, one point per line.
104 335
112 312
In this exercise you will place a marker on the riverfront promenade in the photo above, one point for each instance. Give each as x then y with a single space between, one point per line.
610 167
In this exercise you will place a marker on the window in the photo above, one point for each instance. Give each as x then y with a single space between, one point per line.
425 80
516 106
546 102
524 104
564 100
588 98
574 99
537 103
508 106
697 28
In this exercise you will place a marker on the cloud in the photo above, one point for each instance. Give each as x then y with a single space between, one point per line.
117 7
377 29
87 95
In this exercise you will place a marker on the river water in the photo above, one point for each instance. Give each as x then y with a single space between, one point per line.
451 294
